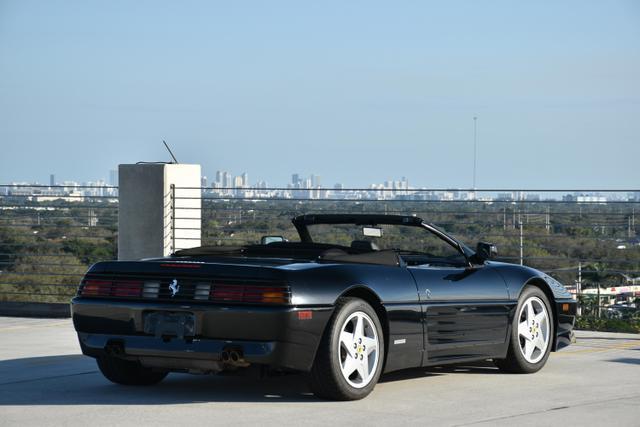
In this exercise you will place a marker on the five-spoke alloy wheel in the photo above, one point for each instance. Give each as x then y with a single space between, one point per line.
358 348
531 334
533 329
351 354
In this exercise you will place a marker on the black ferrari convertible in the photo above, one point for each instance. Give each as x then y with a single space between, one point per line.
353 297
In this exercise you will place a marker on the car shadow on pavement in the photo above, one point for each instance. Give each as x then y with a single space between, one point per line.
486 367
75 380
632 361
608 338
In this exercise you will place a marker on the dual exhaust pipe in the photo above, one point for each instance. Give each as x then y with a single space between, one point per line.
233 357
114 348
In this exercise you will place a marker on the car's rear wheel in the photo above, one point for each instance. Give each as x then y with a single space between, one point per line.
350 357
127 372
531 334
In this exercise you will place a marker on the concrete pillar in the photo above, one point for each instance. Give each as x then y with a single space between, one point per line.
157 214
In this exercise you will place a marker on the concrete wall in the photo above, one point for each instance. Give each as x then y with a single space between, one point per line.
146 214
35 309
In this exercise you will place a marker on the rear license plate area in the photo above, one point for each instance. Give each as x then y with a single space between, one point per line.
169 325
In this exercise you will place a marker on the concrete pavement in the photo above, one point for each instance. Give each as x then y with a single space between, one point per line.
45 381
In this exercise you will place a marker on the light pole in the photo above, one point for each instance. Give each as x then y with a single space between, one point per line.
475 150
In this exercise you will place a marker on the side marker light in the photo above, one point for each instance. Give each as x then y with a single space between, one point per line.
305 315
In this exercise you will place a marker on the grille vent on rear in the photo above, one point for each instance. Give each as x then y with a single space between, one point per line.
151 289
202 291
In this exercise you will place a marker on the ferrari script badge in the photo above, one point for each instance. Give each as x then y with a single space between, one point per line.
174 287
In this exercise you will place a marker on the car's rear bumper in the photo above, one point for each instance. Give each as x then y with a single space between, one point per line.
181 354
275 336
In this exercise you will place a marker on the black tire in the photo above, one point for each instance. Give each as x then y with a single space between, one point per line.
515 361
127 372
326 376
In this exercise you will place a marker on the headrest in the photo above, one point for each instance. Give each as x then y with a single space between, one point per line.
364 246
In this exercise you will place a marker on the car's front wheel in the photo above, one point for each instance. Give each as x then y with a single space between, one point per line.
350 356
127 372
531 334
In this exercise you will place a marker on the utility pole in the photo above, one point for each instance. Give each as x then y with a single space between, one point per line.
504 218
548 221
521 244
599 299
579 287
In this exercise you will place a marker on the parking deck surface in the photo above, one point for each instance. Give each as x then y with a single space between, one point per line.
44 380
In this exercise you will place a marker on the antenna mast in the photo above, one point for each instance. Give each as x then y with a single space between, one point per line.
169 150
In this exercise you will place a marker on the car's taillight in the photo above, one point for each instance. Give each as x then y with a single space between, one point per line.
126 288
113 288
239 293
97 288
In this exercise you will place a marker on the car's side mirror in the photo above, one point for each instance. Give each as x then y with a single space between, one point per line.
485 251
265 240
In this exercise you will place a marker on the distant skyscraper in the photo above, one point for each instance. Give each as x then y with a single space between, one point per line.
295 179
113 177
226 179
219 177
52 180
203 182
245 179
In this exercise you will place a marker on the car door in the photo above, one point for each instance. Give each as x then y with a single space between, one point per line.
465 311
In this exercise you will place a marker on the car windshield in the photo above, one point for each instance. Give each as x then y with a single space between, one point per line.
415 244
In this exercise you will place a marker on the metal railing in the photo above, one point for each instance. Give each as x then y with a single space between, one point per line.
49 235
584 240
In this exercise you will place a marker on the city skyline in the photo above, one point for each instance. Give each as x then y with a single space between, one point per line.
227 179
222 179
225 184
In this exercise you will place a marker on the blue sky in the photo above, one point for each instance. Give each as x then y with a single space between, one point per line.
357 91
